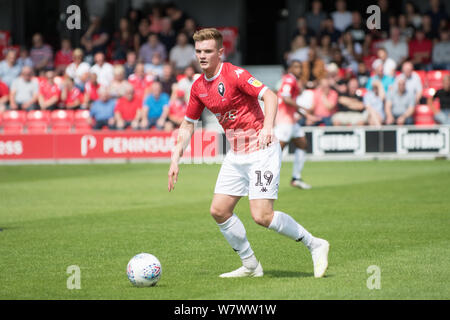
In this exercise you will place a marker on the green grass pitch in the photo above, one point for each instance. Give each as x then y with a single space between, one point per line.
391 214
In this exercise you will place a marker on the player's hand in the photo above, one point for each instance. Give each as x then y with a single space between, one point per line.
266 137
173 175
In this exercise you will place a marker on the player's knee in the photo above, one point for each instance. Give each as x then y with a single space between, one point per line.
219 214
263 217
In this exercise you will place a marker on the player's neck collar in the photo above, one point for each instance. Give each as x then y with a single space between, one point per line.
216 75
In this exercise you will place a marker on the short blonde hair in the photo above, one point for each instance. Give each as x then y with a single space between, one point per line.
209 34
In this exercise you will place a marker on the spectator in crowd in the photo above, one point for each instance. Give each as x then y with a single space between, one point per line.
385 15
356 29
127 112
413 81
396 48
102 110
130 63
92 88
24 91
438 14
9 68
324 49
4 96
443 115
104 70
386 80
89 53
342 18
441 51
167 35
350 108
324 104
41 54
155 19
156 107
303 29
177 110
141 37
406 30
183 54
299 50
96 36
155 68
122 41
63 57
413 16
186 82
362 75
167 79
140 81
49 92
374 103
313 70
329 29
177 16
78 70
430 33
316 16
400 104
134 17
119 83
71 96
152 46
351 50
24 58
420 50
190 26
389 65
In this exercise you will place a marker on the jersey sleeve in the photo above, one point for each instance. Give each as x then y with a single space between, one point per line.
249 84
194 108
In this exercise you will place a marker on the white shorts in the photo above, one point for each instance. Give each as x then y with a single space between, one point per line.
287 131
255 174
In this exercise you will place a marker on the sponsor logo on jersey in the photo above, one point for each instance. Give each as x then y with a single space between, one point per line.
254 82
221 89
238 72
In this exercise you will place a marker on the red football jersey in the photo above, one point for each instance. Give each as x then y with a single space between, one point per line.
73 95
288 88
140 85
232 96
49 90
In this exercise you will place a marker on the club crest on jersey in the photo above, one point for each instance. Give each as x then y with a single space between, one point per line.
221 89
254 82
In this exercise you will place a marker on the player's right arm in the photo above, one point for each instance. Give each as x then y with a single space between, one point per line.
193 112
184 135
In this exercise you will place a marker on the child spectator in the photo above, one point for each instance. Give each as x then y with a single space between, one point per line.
177 110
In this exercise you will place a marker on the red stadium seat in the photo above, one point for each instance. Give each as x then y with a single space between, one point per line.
423 115
38 121
428 92
62 120
82 120
14 121
434 78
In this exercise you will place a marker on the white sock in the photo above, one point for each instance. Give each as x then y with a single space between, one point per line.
250 262
299 162
284 224
234 231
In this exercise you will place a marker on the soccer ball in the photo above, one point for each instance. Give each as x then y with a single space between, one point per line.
144 270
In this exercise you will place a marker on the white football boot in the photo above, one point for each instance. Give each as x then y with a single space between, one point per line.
299 183
319 252
244 272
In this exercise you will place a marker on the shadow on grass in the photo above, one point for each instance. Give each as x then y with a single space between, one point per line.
287 274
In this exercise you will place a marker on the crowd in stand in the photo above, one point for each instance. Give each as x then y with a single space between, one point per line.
354 75
140 75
